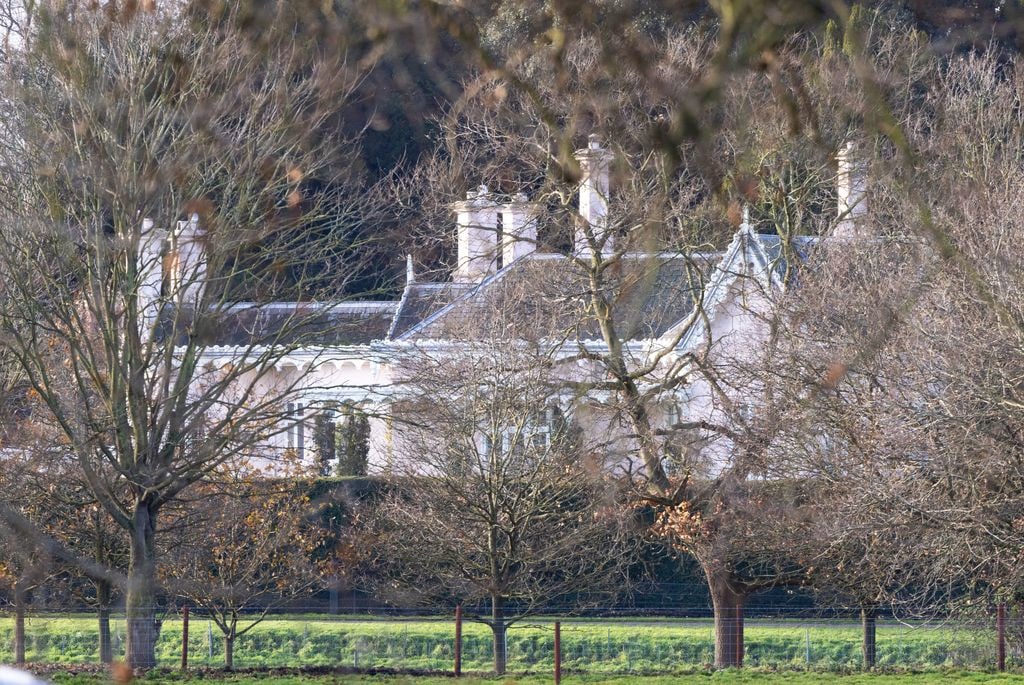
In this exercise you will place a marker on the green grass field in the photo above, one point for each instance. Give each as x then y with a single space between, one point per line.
717 678
641 647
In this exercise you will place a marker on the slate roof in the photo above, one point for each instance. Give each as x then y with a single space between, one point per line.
537 296
784 259
546 296
293 323
420 300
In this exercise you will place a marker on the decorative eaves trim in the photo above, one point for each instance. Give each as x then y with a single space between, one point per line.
398 310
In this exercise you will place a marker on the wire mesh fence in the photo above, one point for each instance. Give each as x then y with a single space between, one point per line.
592 645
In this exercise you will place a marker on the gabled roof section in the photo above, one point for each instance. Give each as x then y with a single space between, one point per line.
547 296
765 258
461 300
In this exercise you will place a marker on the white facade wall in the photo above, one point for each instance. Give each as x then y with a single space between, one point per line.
367 377
736 348
734 342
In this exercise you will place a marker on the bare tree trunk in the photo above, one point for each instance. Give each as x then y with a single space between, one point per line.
867 622
229 650
103 615
103 590
728 606
140 601
19 624
648 444
499 629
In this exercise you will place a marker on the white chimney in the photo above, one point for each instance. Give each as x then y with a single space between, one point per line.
188 267
595 165
152 247
518 229
410 270
851 193
477 219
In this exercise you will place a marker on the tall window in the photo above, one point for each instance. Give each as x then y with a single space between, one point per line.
296 433
540 432
672 415
548 426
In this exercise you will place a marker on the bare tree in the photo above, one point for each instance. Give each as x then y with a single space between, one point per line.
639 263
86 530
118 116
245 548
904 413
496 502
24 568
114 118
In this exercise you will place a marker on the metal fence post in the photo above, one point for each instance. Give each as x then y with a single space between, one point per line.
739 636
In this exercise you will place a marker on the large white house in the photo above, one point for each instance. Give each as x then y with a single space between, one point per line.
668 305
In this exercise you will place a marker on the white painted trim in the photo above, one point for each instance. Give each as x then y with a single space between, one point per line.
348 305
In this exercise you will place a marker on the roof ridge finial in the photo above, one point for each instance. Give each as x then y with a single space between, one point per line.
410 273
746 218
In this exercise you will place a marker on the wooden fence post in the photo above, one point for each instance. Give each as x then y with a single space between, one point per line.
558 652
458 640
184 639
1001 636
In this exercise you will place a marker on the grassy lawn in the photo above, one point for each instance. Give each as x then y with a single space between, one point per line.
717 678
616 647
